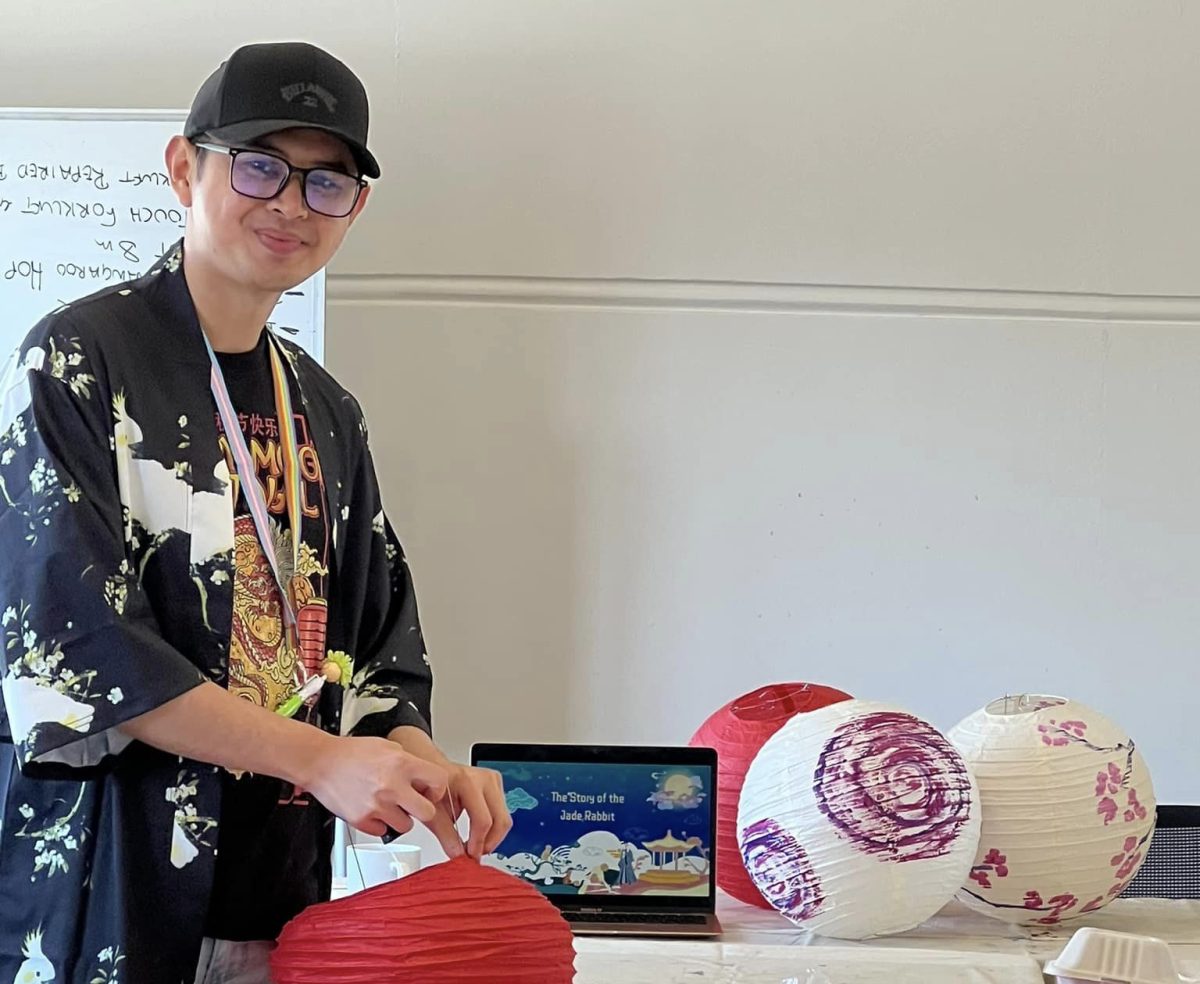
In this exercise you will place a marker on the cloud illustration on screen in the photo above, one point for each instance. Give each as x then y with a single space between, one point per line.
518 799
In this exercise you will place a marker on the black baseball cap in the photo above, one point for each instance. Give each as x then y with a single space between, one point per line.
264 88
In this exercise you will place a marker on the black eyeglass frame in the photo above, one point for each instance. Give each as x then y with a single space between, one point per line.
304 172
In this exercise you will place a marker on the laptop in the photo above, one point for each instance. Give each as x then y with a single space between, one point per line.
619 838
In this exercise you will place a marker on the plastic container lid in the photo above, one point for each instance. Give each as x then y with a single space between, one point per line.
1119 958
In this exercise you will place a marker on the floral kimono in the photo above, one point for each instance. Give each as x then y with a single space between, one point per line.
117 566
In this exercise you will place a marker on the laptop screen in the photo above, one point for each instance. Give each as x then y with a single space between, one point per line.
590 831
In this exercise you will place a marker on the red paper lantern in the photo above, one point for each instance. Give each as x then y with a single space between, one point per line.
446 924
737 731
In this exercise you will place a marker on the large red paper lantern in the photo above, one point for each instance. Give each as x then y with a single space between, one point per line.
446 924
737 731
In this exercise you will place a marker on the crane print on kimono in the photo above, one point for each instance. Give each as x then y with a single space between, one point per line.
116 596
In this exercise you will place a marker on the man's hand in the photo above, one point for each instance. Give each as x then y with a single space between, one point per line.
374 784
479 793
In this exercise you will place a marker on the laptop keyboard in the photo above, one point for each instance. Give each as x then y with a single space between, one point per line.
671 918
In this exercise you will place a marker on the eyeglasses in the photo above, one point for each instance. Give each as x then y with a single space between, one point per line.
257 174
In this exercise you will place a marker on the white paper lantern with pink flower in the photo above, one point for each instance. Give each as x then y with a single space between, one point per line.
858 819
1068 809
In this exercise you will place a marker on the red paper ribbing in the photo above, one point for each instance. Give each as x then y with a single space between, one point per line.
737 731
446 924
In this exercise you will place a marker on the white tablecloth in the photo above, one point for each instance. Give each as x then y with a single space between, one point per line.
955 947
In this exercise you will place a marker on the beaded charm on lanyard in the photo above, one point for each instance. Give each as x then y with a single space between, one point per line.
256 501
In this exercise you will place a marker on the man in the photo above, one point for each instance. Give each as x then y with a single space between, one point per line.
210 638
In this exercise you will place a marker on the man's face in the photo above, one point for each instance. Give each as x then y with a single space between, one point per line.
269 246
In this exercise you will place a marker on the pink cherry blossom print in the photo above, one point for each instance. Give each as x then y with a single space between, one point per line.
998 862
1058 905
994 863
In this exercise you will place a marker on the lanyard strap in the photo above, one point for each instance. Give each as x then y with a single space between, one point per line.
248 475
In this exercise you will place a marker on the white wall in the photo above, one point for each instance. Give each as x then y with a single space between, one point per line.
711 343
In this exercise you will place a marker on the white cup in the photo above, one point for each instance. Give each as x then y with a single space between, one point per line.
368 865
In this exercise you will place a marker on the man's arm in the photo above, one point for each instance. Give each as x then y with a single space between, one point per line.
371 783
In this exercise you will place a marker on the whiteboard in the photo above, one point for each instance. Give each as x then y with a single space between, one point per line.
85 203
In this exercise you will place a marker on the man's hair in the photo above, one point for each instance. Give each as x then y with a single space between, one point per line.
201 153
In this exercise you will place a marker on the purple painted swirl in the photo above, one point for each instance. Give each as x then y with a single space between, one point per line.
781 870
892 785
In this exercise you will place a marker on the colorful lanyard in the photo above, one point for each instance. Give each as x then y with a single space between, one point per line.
248 474
336 667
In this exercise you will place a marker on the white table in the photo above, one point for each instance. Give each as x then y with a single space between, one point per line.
955 947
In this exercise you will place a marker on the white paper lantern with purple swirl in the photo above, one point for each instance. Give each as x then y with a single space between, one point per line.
858 819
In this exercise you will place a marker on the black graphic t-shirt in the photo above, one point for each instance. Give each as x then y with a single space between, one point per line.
267 865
